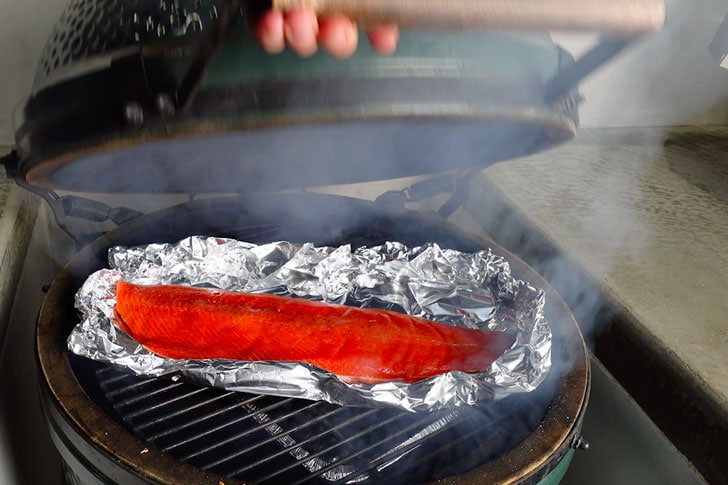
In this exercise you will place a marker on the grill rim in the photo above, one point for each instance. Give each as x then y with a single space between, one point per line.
81 419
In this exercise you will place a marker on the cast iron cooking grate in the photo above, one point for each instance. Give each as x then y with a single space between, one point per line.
266 439
271 440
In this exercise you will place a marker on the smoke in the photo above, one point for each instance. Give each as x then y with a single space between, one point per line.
586 215
667 78
583 199
565 208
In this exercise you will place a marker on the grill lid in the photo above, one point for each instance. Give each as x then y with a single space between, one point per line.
176 96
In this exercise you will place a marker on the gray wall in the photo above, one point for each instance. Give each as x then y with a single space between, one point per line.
668 79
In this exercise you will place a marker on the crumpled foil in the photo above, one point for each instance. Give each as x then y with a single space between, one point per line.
473 290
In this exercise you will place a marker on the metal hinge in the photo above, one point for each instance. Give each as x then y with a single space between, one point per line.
579 443
66 206
458 185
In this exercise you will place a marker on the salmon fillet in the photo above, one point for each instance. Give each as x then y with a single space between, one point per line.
356 344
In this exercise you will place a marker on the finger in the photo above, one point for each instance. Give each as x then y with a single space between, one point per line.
300 28
338 36
384 38
269 31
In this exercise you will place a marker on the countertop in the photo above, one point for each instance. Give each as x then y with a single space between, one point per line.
643 215
630 225
645 212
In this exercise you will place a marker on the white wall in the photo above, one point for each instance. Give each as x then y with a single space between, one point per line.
669 78
24 27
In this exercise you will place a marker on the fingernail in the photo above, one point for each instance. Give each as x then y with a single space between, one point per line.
351 39
288 33
301 34
271 42
303 41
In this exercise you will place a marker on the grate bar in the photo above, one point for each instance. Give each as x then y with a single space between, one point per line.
262 426
141 397
254 429
302 443
104 382
198 420
363 450
398 452
140 427
226 425
319 453
161 405
460 438
272 438
133 387
449 445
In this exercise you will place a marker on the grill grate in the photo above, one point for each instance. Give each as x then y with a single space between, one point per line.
266 439
270 440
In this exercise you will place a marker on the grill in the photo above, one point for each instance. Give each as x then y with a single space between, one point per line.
264 439
162 428
90 28
176 96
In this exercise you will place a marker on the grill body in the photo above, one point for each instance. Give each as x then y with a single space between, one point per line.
112 427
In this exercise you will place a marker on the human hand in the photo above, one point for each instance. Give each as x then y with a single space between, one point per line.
303 32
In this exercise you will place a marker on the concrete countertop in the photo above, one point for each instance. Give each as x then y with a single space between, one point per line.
642 211
644 214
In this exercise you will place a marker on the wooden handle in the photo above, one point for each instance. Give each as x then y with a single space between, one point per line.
607 16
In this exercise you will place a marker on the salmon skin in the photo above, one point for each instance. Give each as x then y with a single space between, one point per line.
356 344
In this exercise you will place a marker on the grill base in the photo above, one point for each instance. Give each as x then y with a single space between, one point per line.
135 430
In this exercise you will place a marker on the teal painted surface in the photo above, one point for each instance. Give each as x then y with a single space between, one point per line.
557 474
419 53
431 54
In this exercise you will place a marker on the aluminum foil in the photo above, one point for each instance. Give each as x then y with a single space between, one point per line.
473 290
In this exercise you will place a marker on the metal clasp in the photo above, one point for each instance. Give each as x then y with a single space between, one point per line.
456 184
70 205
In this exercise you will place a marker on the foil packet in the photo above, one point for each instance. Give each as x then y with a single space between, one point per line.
474 290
